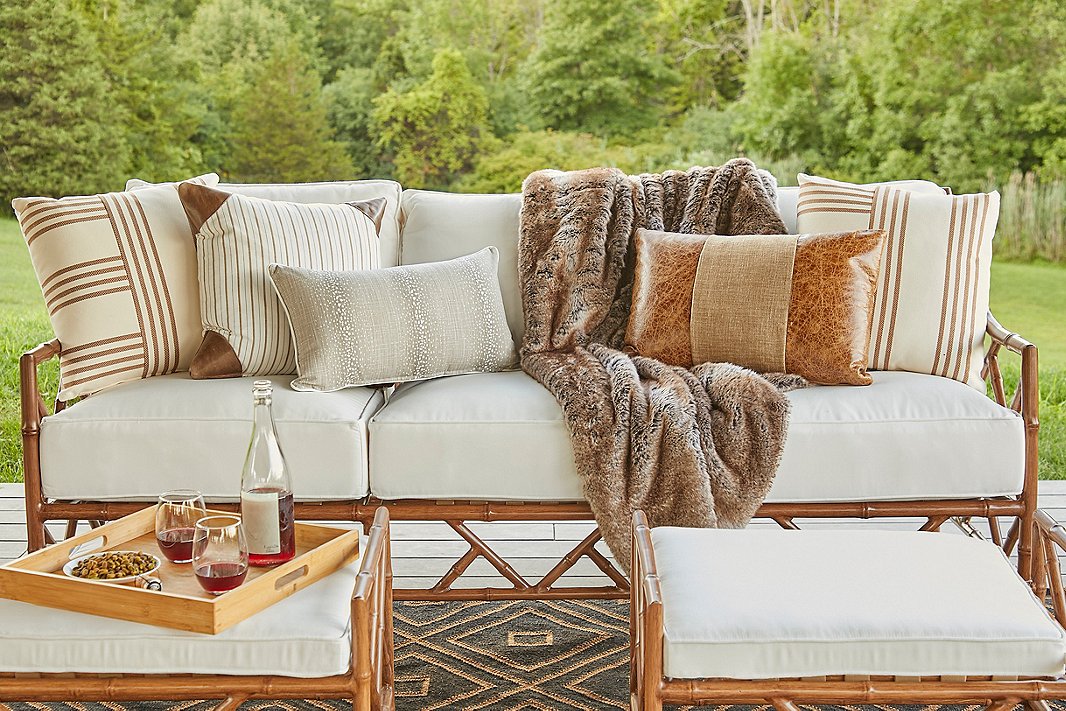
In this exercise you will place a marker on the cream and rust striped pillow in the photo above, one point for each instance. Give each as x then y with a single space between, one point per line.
118 274
932 294
246 331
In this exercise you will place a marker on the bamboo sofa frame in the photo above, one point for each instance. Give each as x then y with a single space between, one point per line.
649 688
369 681
1022 508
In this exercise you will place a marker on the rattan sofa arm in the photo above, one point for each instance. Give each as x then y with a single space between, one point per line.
33 406
1006 339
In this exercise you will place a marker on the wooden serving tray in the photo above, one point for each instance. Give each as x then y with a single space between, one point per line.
182 604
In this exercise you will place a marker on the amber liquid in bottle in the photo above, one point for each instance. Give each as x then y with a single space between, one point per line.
266 489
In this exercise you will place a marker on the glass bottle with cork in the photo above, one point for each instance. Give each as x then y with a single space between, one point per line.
266 488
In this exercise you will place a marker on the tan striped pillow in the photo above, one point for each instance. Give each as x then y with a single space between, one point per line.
932 293
246 331
118 273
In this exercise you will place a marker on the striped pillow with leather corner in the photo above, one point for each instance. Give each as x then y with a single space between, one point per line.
118 274
246 331
933 284
796 304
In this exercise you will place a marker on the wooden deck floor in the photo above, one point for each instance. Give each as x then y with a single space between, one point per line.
424 551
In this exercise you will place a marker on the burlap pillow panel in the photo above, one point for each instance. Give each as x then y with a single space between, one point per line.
118 275
805 312
246 331
397 324
933 282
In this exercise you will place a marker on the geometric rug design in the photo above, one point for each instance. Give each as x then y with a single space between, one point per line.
492 656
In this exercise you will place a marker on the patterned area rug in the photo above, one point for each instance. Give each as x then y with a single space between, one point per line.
497 656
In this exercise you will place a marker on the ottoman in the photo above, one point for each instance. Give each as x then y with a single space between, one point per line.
333 639
838 617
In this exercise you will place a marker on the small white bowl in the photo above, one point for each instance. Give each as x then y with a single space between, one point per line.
68 569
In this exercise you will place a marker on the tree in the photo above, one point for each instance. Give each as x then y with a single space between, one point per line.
436 128
593 70
350 102
228 41
705 42
280 130
154 86
494 36
61 130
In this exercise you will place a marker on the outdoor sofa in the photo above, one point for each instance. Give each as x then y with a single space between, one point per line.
494 446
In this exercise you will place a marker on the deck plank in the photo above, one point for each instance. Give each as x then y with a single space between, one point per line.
425 550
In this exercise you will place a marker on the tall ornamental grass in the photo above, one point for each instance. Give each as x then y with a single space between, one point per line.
1032 219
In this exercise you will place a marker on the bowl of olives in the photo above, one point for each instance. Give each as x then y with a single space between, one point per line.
112 566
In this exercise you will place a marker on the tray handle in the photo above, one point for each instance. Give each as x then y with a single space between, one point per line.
291 577
86 547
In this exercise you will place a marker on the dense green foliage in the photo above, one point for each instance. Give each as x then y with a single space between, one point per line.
475 94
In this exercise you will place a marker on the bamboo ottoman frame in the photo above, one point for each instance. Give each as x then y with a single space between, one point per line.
649 688
936 512
368 681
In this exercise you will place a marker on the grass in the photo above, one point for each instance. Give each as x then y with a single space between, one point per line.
23 324
1032 219
1030 299
1027 298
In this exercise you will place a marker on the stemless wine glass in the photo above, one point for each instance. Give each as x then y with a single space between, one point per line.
176 515
219 553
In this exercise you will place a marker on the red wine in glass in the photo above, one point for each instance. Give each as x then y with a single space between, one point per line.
176 544
286 530
217 578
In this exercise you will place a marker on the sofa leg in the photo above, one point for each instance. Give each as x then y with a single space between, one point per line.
1026 534
35 531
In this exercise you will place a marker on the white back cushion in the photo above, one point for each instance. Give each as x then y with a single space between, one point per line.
440 226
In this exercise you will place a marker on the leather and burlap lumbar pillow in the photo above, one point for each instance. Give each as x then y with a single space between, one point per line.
118 272
932 295
397 324
774 303
237 237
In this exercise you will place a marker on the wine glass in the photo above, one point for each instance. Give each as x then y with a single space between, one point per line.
219 553
176 515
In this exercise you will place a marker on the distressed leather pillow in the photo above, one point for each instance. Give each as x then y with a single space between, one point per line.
932 294
118 274
774 303
396 324
246 331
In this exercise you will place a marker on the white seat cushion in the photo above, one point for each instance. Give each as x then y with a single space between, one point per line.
136 440
502 436
767 604
305 635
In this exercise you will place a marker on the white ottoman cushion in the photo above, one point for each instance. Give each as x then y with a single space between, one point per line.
773 604
306 635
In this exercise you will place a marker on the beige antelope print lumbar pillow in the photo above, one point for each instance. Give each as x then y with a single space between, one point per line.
118 274
397 324
246 331
932 293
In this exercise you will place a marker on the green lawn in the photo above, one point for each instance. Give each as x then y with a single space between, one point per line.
1027 298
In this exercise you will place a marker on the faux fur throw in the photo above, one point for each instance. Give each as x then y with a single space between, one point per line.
695 447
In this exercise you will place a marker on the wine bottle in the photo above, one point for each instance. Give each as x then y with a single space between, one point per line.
266 488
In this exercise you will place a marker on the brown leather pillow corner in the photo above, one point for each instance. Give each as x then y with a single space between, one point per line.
830 296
